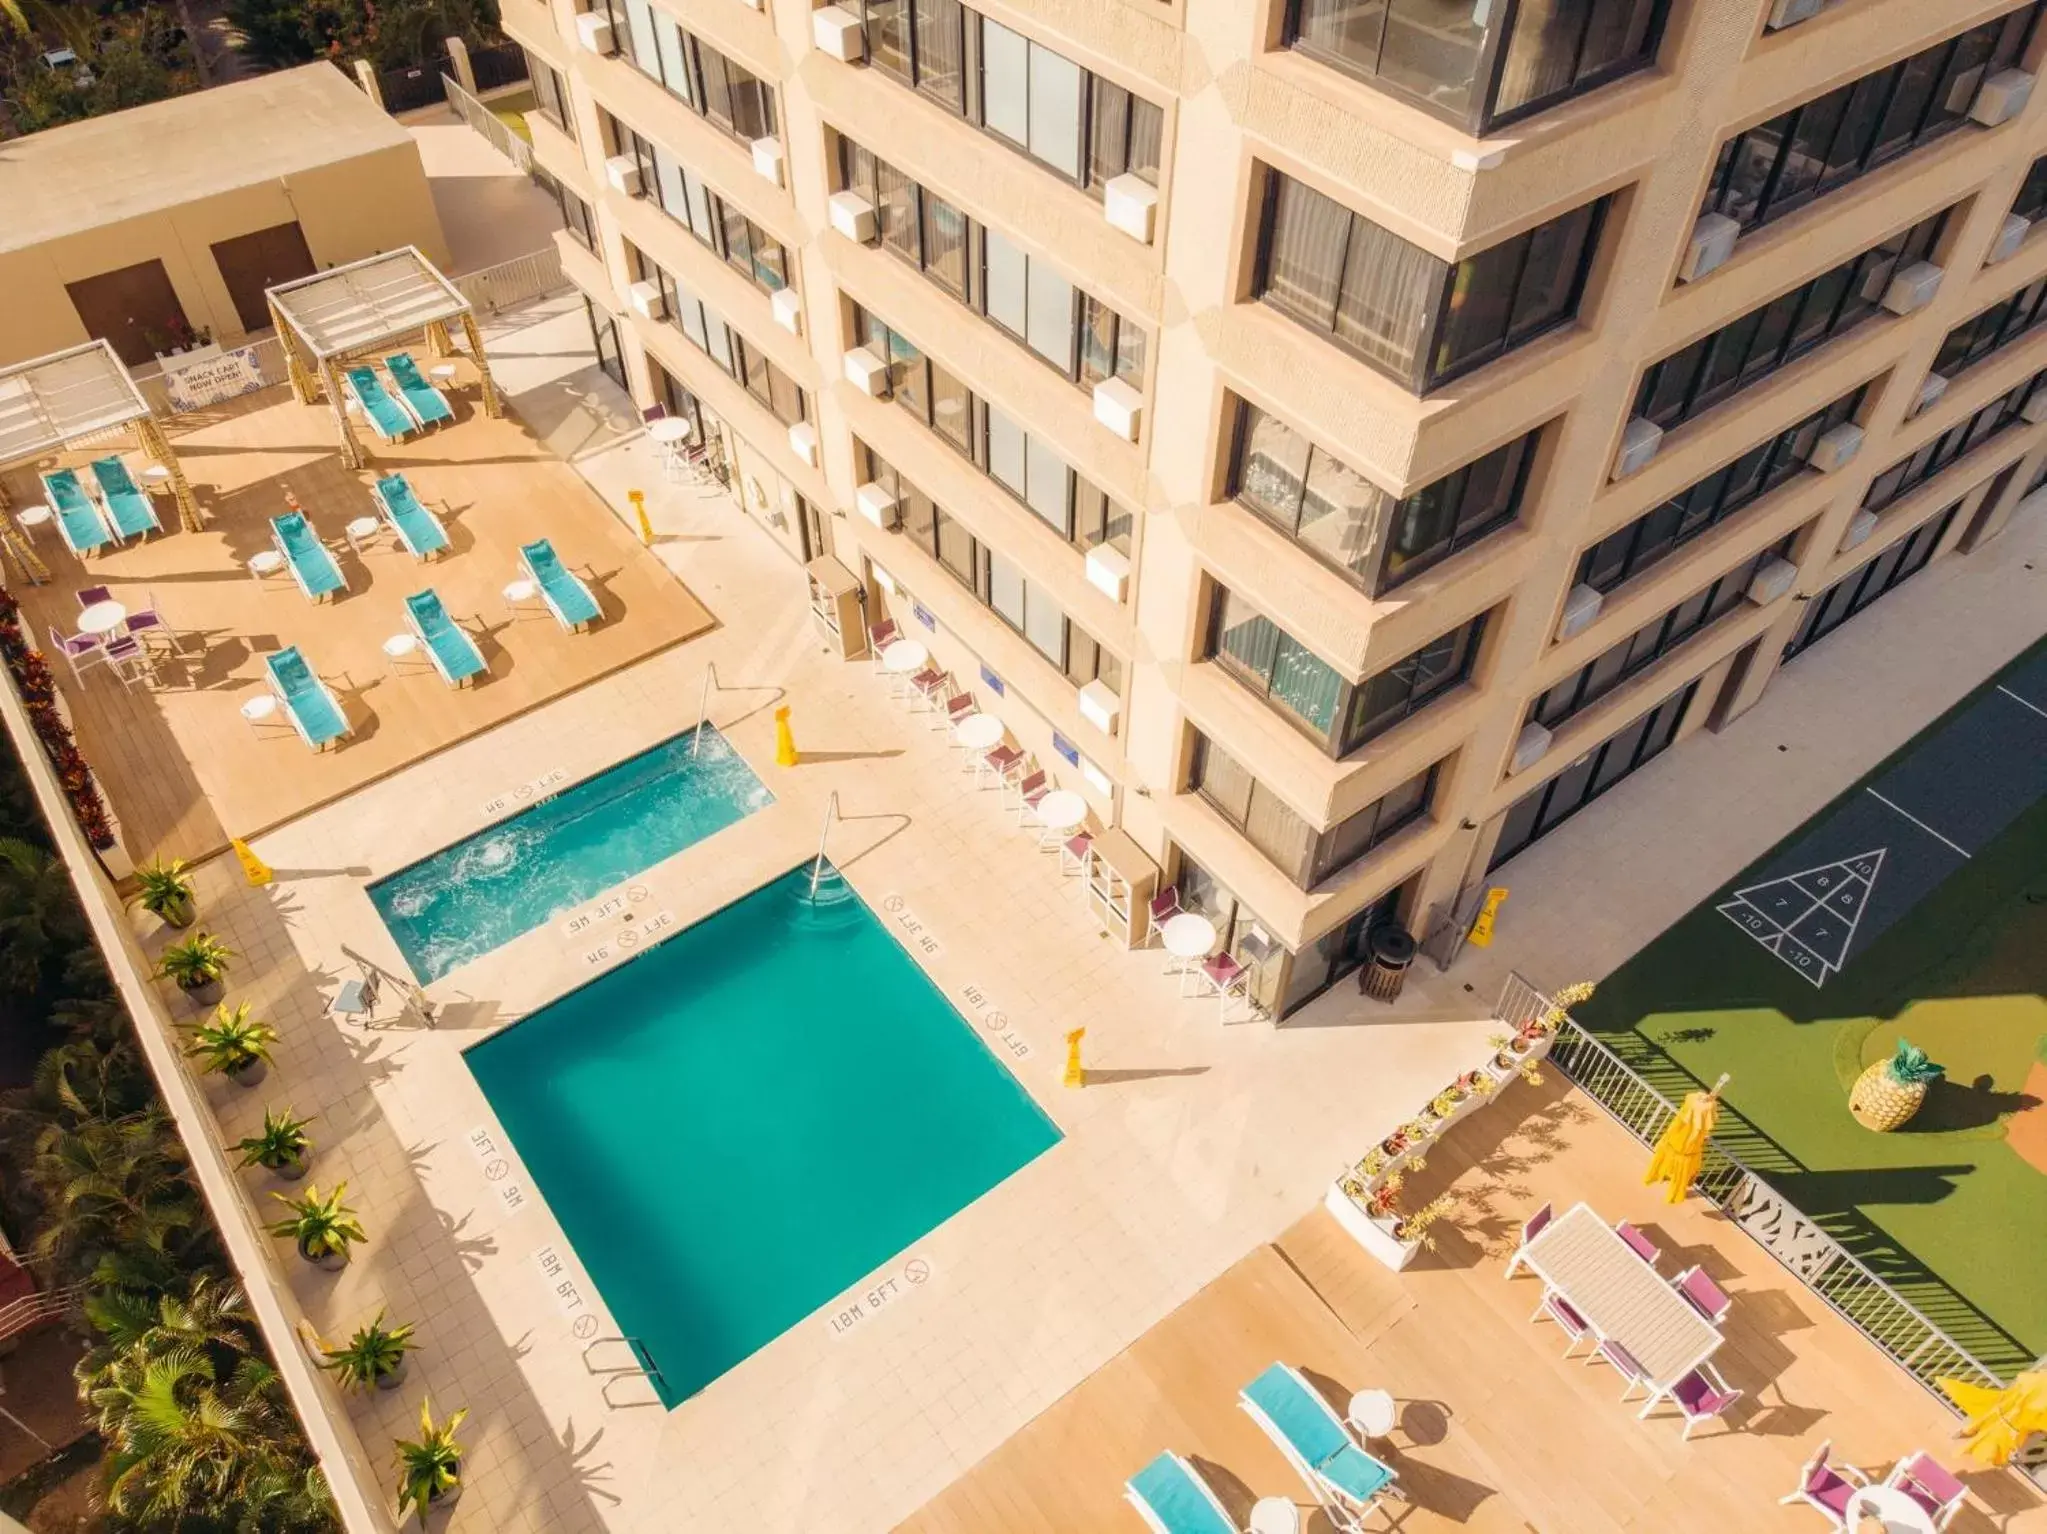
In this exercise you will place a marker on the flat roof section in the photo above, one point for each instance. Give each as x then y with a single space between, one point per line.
90 174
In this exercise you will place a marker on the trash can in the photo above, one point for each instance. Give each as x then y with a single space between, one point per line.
1389 951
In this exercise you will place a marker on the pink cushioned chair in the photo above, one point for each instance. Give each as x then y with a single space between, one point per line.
1702 1294
1532 1227
1554 1307
1825 1487
1926 1481
1638 1243
1701 1395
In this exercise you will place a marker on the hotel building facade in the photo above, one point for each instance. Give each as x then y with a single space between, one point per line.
1342 438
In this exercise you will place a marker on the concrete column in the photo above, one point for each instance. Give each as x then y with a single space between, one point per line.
459 65
1992 518
366 77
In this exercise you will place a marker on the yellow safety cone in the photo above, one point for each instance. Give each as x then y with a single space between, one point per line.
639 500
254 869
1076 1074
785 739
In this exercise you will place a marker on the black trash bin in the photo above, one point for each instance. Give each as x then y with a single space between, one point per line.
1389 951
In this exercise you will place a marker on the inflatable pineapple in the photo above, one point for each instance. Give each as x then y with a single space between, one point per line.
1886 1095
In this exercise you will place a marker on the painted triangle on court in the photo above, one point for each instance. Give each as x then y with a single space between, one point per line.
1812 913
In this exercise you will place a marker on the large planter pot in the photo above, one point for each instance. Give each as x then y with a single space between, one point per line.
248 1075
292 1170
396 1376
1368 1232
327 1262
179 913
205 994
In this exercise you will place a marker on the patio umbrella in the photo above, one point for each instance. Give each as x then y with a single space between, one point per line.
1999 1420
1682 1147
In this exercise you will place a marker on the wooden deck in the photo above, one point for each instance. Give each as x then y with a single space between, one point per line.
1499 1434
180 766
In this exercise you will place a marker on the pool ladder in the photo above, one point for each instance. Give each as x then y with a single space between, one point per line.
704 706
817 866
642 1367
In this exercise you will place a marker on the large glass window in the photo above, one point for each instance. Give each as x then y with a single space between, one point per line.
1781 165
2031 201
681 193
1478 65
711 85
1992 330
577 216
1415 318
550 92
707 331
1908 473
1712 500
1749 349
1863 585
1352 525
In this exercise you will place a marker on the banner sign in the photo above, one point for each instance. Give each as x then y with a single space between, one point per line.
212 379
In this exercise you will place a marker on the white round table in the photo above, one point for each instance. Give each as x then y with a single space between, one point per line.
669 430
157 475
361 530
1188 938
32 517
1061 810
520 592
259 708
102 618
979 732
1897 1512
400 647
442 372
1274 1515
906 657
265 563
1372 1413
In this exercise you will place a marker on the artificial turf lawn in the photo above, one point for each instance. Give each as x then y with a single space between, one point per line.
1945 1204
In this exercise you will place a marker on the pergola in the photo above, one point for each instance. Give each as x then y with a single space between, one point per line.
52 403
350 311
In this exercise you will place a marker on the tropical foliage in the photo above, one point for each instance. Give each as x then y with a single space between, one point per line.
429 1468
374 1353
199 960
128 54
231 1040
321 1227
281 1143
391 34
166 889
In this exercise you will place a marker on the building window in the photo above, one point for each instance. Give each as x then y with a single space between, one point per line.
1349 523
1306 856
1340 715
1622 555
1779 166
706 330
1862 586
681 193
2031 201
1417 319
1908 474
710 84
1747 350
677 401
1537 813
1478 66
1992 330
550 92
1036 100
577 215
604 341
1649 643
1341 950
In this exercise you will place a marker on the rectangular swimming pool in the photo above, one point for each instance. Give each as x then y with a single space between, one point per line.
507 879
742 1122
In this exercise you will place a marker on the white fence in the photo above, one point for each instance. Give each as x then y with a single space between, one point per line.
483 120
494 289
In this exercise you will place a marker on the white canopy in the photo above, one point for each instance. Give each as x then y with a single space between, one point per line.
350 308
50 401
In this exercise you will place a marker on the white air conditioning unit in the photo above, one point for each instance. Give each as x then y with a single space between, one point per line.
867 372
1130 203
1789 13
2034 410
1931 388
1713 238
1096 778
623 172
877 506
1530 746
853 216
1120 408
838 32
1860 526
1581 605
2011 234
1108 571
646 299
788 310
593 31
803 442
2003 96
767 158
1640 439
1836 448
1100 706
1912 288
1772 579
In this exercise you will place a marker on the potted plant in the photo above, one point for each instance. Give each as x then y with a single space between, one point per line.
375 1355
282 1146
430 1470
234 1044
167 891
323 1229
198 964
1412 1230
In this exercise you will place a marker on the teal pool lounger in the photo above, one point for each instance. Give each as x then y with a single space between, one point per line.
417 528
319 577
563 591
428 405
307 700
84 530
448 645
132 513
384 413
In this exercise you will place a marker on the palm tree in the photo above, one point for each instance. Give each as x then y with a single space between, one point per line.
39 915
115 1186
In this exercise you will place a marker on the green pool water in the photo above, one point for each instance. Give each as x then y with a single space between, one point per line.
743 1122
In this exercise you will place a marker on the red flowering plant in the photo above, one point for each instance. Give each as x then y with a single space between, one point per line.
38 689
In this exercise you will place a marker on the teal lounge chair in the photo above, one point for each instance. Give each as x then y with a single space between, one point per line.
84 530
389 419
132 514
417 528
448 645
564 592
319 577
1346 1481
308 702
426 404
1170 1496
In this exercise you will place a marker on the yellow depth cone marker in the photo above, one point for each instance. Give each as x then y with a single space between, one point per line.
254 869
639 500
785 739
1076 1074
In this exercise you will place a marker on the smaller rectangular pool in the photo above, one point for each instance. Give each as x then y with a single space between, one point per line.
463 901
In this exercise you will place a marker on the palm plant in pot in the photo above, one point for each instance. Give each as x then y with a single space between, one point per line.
198 964
430 1469
234 1044
167 891
323 1229
281 1146
375 1355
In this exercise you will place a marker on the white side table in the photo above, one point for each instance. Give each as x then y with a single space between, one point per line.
520 594
360 532
159 478
32 519
1897 1512
1274 1515
442 373
400 648
1373 1414
260 709
264 564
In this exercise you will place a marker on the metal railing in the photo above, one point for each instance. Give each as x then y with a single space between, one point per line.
497 67
494 289
1842 1280
482 120
32 1310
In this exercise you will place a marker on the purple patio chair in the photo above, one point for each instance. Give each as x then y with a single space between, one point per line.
1926 1481
1031 789
1701 1395
88 596
1532 1227
82 651
1638 1243
1165 905
1226 978
1554 1307
130 662
879 637
1624 1364
1826 1487
1074 853
1702 1294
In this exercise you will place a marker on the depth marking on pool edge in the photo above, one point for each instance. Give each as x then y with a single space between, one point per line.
628 939
560 1279
862 1304
525 793
610 905
499 1169
915 931
983 1010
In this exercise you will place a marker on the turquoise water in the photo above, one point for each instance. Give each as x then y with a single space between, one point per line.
521 873
743 1122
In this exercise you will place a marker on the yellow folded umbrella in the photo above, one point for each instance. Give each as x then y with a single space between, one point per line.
1682 1147
1999 1420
